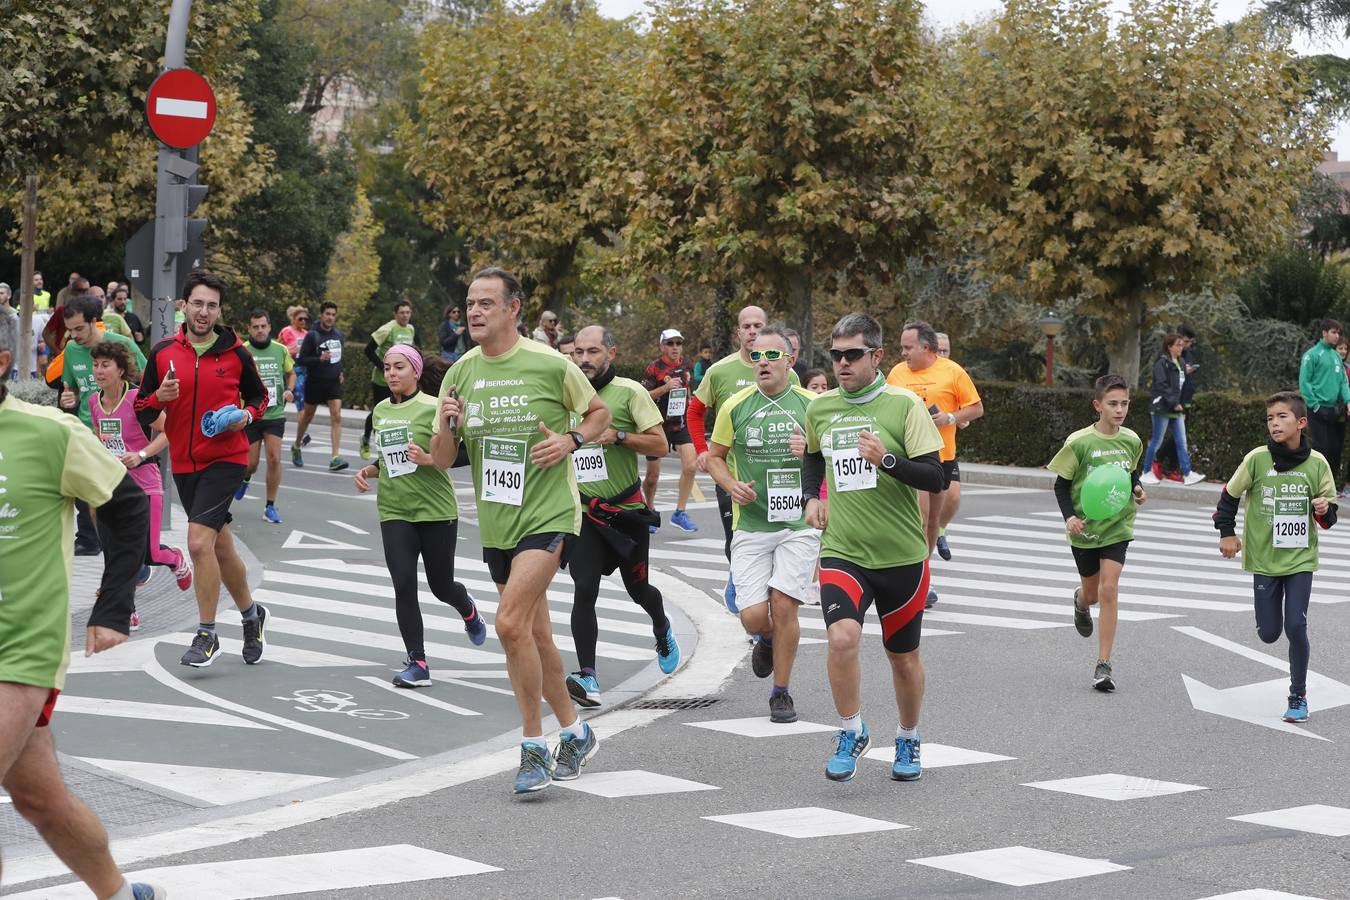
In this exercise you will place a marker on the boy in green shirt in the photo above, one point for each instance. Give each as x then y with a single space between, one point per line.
1289 486
1099 545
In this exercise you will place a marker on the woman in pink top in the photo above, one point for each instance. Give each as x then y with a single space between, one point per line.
291 337
115 423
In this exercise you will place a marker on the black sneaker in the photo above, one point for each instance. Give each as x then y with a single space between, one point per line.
781 709
932 599
87 549
761 659
205 646
254 638
1101 677
1082 619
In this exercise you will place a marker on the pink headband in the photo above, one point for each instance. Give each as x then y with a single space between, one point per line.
410 353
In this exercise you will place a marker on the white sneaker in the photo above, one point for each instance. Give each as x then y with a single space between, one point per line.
1149 478
1191 478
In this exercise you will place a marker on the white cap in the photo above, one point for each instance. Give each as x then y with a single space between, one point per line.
670 333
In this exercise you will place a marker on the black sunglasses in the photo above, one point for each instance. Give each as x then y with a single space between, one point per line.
852 354
674 343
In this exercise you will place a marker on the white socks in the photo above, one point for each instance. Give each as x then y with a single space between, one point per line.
852 723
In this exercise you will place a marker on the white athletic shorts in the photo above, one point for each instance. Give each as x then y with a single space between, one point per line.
784 560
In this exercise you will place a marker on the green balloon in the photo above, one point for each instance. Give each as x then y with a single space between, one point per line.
1105 492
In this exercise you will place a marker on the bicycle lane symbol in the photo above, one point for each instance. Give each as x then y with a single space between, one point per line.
340 702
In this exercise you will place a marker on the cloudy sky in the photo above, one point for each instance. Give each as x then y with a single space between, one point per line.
952 12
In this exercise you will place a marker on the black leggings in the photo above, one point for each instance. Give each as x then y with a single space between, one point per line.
591 558
378 392
404 542
724 507
1282 605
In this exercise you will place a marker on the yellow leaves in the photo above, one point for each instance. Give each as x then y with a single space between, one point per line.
354 267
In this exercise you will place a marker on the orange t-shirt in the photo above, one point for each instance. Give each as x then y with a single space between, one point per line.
943 384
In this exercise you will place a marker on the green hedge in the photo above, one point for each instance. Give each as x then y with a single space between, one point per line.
1024 425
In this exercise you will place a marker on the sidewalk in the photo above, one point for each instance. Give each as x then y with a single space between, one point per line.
1203 494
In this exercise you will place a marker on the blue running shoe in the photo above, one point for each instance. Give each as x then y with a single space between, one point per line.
932 599
416 673
729 595
240 491
536 768
574 751
682 521
943 550
849 746
476 629
297 458
141 891
1298 709
585 689
667 651
143 576
653 529
270 515
906 766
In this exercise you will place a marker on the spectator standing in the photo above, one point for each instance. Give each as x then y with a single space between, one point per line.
1169 378
547 332
453 334
1322 382
702 364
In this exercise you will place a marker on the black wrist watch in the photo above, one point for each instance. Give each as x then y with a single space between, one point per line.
888 461
620 436
576 436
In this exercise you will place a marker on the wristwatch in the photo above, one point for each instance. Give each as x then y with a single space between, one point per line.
951 418
576 436
620 436
141 454
888 461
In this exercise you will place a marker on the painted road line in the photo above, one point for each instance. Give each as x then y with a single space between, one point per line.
464 682
416 694
1066 590
157 712
346 527
293 656
211 785
1053 609
378 641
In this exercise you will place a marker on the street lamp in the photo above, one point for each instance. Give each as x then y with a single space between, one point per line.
1051 326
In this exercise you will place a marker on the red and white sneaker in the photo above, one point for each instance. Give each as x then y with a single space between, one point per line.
183 572
135 621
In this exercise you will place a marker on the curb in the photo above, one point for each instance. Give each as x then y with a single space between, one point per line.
1202 494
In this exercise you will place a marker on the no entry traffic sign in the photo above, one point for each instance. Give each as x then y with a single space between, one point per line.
181 108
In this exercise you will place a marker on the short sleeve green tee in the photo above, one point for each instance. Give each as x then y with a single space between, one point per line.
274 364
1087 449
1279 536
506 398
115 324
78 373
46 461
409 492
874 519
728 377
606 471
386 336
757 429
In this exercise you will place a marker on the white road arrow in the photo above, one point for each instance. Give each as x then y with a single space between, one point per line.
1259 703
303 540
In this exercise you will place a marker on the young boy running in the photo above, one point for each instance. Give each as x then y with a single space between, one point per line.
1099 545
1289 486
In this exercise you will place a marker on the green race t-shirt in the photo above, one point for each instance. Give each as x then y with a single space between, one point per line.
605 471
1083 451
728 377
78 374
409 492
46 461
274 364
757 429
1279 536
505 399
386 336
115 324
874 519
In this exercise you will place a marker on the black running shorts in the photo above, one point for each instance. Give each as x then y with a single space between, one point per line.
206 494
1089 559
260 427
499 561
847 590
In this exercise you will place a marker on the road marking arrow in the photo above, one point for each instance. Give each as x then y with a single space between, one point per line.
303 540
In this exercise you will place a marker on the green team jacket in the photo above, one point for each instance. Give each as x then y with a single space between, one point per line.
1321 377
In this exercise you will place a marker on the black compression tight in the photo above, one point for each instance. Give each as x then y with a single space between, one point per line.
586 566
434 542
1282 607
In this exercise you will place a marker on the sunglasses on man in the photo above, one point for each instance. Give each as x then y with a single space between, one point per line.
674 343
770 355
852 354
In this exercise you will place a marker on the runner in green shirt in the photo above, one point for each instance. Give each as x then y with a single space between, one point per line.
396 331
47 460
773 550
1099 545
881 447
277 371
614 523
419 516
1289 488
512 401
77 376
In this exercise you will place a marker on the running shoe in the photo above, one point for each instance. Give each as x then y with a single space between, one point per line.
932 599
270 515
205 646
761 659
943 550
143 576
1298 709
781 708
254 636
536 768
297 458
304 441
240 491
574 751
1082 619
1101 677
1344 494
729 597
585 689
682 521
87 549
667 651
906 766
364 449
135 621
1192 478
1149 478
183 571
476 629
416 673
142 891
653 529
848 747
337 464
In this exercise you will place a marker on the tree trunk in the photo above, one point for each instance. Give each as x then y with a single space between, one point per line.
800 291
723 323
1123 353
25 362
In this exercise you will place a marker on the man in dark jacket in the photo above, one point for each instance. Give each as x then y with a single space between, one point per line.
1166 464
321 355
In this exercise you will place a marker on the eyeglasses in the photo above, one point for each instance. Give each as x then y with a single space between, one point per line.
852 354
770 355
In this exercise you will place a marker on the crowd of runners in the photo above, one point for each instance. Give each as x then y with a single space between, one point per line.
830 495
